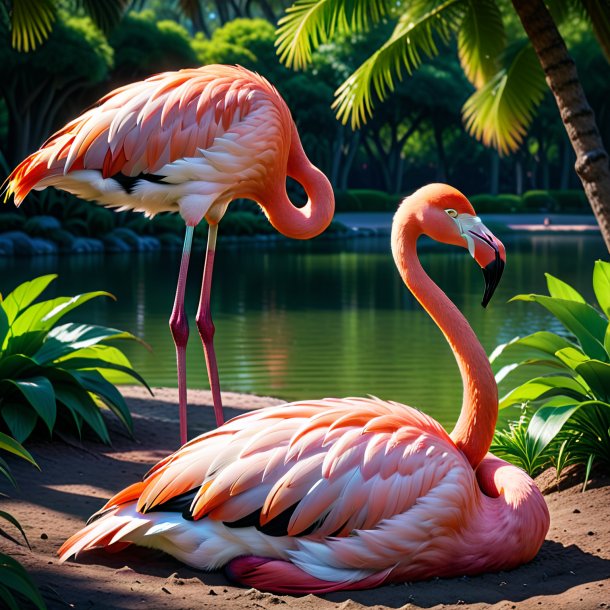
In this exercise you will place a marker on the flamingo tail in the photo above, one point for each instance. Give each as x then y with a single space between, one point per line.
278 576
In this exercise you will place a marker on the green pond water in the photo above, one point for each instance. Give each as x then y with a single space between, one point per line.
324 318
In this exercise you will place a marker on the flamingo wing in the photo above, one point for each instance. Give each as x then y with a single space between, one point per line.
136 130
324 468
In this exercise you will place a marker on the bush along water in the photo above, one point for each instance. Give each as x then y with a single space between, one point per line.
566 410
58 375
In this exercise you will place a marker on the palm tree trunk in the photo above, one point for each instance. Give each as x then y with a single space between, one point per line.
560 71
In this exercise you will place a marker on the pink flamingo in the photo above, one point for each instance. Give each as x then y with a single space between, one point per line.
188 141
319 496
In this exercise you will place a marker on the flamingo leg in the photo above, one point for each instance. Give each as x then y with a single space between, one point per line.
206 326
179 326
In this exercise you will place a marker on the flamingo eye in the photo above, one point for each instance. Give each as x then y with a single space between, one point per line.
452 213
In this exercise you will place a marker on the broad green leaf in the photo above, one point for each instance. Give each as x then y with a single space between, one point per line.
499 113
24 295
16 366
561 290
20 419
547 422
44 315
3 326
38 391
597 375
11 445
13 576
601 285
544 387
95 383
308 23
98 364
80 402
8 517
24 343
481 39
65 339
607 341
542 363
579 318
6 471
8 598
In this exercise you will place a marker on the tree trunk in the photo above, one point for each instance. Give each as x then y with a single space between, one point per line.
518 176
441 168
561 76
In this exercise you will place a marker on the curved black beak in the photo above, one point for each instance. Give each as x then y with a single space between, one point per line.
492 273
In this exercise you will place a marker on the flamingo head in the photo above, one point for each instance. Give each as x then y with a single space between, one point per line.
444 214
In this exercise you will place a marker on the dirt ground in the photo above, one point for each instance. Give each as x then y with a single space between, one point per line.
572 569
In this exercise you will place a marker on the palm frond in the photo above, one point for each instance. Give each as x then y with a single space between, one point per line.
417 33
500 113
31 23
309 23
107 14
481 40
598 13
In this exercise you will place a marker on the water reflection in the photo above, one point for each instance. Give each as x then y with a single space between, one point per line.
308 320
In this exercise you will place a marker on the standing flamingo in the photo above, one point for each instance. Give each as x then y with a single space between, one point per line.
319 496
188 141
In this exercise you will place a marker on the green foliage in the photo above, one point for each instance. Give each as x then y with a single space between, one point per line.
75 50
58 374
144 46
496 204
572 399
15 583
32 21
534 201
500 111
509 81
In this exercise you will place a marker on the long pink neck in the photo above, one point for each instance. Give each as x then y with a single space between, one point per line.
474 429
311 219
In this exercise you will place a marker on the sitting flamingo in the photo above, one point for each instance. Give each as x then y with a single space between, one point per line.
188 141
334 494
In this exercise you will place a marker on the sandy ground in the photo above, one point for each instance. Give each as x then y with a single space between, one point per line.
572 569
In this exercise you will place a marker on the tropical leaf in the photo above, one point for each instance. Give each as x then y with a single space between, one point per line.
598 12
107 14
561 290
601 285
547 422
78 401
481 40
68 338
417 34
582 320
8 517
20 421
31 23
13 577
12 446
24 295
39 393
544 387
44 315
500 112
309 23
4 326
539 344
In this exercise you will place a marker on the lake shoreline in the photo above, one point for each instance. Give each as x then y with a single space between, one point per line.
571 571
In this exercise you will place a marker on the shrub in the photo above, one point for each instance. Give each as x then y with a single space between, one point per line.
58 374
573 401
574 201
538 201
346 202
11 221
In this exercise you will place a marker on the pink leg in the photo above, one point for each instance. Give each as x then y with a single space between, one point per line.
278 576
206 326
179 326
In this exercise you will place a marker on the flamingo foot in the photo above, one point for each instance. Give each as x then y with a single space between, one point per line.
278 576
